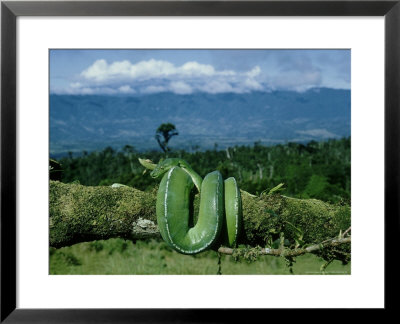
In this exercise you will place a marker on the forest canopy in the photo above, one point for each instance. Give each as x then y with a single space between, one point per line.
318 170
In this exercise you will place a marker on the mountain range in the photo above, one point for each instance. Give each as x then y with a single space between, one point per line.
204 121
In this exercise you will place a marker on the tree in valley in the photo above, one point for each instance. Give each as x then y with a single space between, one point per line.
163 135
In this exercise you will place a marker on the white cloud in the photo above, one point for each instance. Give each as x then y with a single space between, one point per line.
252 84
154 76
86 91
217 87
101 71
126 89
196 69
153 89
96 71
297 81
180 87
75 85
254 72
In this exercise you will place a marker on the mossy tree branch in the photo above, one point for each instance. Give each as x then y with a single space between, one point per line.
82 213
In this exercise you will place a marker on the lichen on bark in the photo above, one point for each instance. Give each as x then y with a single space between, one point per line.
82 213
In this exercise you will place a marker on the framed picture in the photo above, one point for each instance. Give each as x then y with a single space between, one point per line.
41 43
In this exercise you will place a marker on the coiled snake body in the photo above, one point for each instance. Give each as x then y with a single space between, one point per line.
220 210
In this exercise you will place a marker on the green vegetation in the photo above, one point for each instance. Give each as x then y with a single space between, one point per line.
117 256
319 170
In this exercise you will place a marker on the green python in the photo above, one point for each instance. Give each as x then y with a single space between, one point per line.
220 210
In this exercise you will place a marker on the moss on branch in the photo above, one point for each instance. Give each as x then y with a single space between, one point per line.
81 213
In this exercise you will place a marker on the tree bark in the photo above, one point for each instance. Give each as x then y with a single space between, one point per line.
82 213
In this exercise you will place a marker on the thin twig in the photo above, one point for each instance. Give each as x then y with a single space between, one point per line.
294 252
346 231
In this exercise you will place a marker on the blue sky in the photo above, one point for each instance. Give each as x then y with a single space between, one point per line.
189 71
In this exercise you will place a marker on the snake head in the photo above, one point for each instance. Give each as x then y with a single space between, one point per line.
164 166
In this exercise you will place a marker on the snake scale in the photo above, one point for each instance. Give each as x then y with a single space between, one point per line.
220 211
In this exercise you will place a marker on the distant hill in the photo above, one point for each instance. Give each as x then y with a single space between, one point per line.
88 122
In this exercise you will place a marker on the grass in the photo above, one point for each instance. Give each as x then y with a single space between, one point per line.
120 257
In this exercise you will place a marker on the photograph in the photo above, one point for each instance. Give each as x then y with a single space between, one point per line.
199 161
190 161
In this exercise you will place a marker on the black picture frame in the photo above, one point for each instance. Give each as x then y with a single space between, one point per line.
10 10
